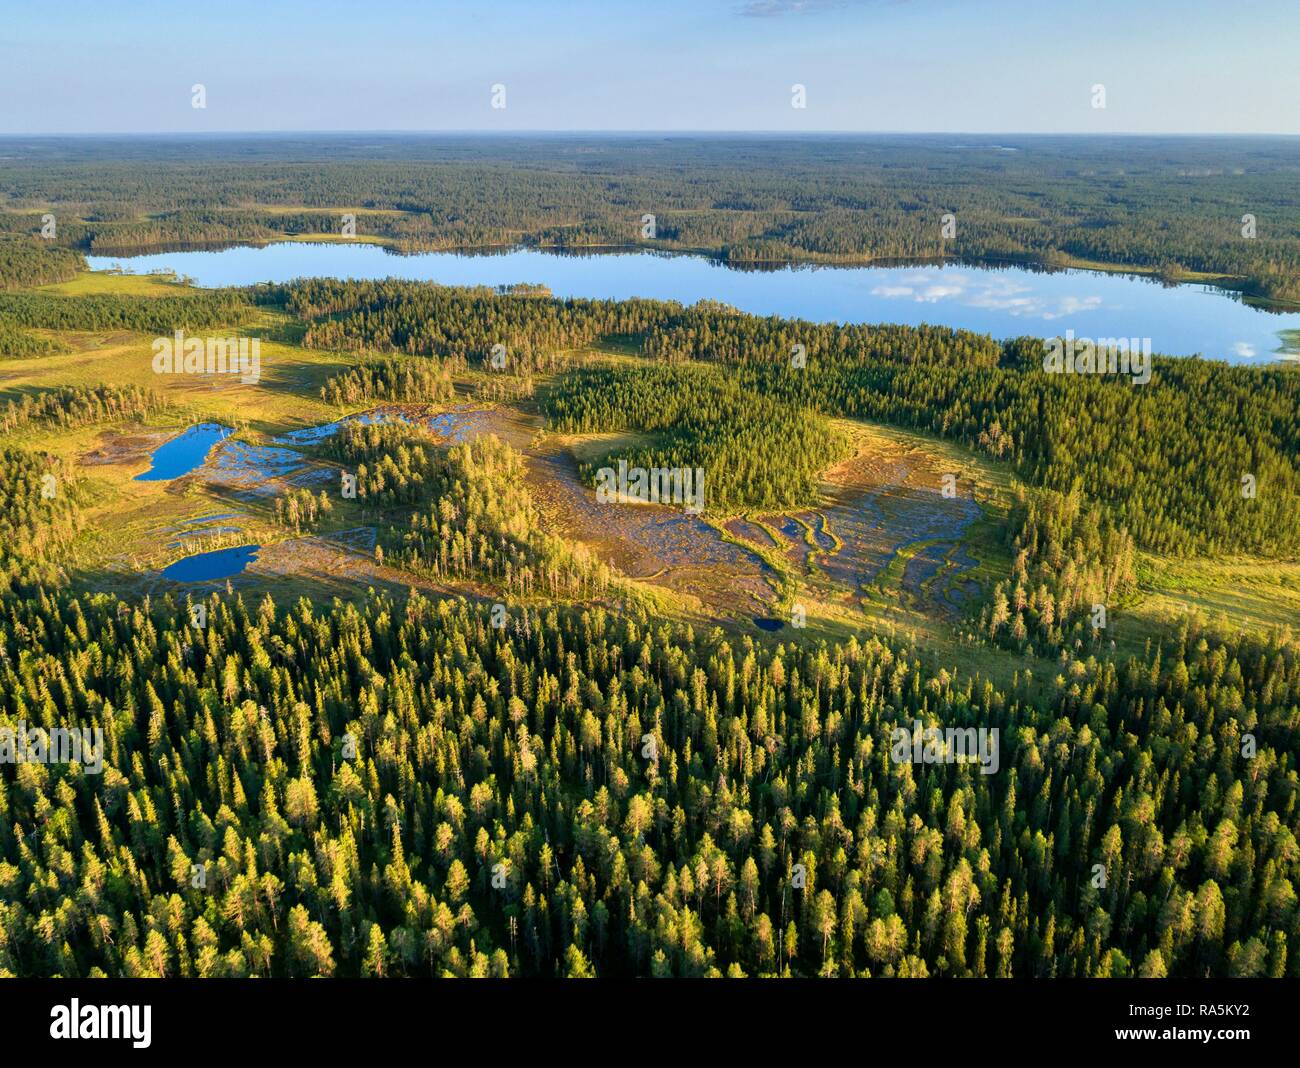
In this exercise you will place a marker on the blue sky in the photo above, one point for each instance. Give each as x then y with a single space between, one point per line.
1176 66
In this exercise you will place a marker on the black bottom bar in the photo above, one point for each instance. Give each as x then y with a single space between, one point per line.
257 1017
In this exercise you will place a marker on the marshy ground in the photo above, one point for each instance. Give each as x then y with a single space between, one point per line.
906 534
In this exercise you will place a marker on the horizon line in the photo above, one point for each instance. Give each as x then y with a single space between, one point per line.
610 132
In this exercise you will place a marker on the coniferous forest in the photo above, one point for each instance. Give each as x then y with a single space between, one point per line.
533 773
581 793
458 715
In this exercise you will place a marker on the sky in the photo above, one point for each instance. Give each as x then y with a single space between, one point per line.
974 66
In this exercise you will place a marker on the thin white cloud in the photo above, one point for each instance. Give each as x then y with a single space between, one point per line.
993 294
940 292
762 9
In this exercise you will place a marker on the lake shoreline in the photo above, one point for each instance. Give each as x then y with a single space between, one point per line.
999 298
1229 283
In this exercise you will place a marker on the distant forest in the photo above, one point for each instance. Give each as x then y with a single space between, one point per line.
1168 205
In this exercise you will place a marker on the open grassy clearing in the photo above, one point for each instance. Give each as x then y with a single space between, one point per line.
1243 593
103 283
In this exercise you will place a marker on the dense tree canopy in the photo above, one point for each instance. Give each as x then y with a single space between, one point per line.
587 792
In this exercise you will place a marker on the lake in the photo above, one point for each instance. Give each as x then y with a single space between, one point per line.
184 453
1180 320
216 564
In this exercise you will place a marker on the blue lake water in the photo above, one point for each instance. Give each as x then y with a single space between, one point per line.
184 453
217 564
1003 301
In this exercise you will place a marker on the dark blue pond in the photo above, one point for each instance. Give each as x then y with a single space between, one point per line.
768 624
183 454
217 564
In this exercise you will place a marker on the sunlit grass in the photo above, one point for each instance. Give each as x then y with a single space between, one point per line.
106 283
